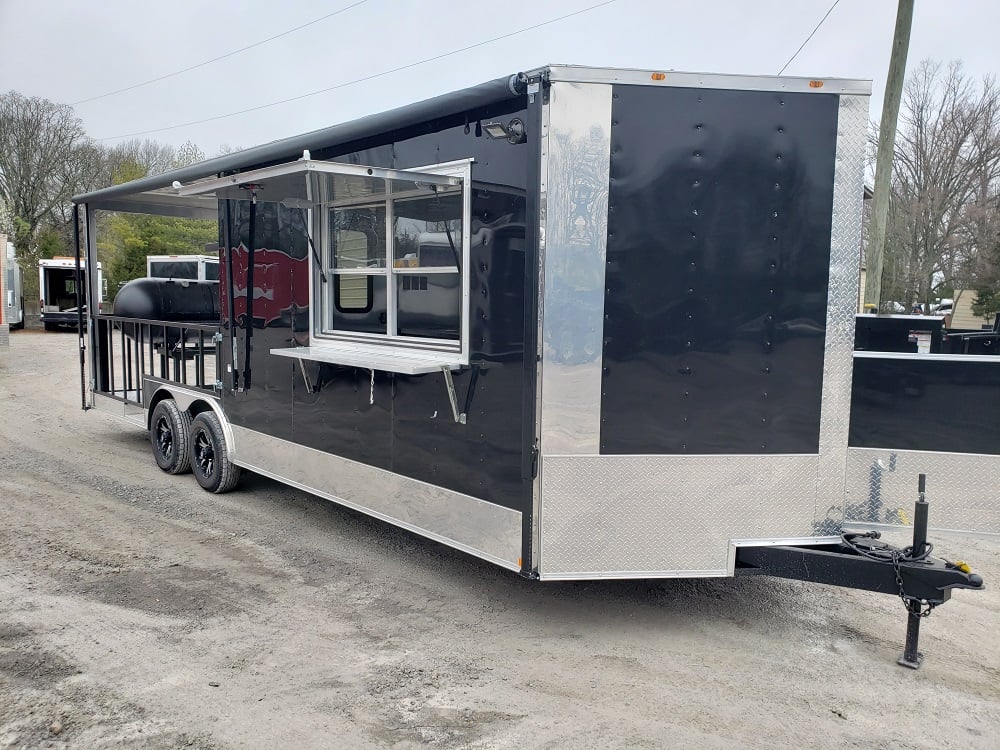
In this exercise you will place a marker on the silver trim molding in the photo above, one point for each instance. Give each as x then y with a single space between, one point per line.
791 542
842 295
578 167
991 359
466 523
123 409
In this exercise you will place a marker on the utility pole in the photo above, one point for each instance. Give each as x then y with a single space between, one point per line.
886 149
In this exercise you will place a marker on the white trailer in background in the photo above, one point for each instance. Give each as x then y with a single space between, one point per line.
11 292
12 281
57 290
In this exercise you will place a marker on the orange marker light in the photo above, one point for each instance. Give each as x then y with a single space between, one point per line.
659 76
815 84
519 562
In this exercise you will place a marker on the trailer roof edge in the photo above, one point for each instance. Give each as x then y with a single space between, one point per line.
508 87
687 79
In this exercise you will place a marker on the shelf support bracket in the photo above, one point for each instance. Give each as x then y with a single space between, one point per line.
449 382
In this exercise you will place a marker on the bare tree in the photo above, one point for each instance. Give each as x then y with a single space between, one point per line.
981 269
46 158
946 172
40 167
132 159
188 153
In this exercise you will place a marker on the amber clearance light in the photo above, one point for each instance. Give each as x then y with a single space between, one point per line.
658 76
815 84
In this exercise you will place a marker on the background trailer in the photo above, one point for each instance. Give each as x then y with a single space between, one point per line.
579 322
11 291
62 285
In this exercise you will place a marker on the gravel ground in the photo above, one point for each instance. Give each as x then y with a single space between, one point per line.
137 611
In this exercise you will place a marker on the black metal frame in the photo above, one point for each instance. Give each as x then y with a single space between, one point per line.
930 580
154 349
529 458
862 561
81 333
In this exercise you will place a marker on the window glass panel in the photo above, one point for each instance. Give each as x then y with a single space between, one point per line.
174 269
353 292
427 230
348 314
428 305
357 237
212 271
340 188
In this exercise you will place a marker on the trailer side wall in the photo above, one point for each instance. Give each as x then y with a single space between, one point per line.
374 428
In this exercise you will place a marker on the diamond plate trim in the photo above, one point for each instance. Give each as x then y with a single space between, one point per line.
667 515
963 489
845 259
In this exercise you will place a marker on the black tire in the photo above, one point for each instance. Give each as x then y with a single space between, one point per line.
169 433
210 455
51 327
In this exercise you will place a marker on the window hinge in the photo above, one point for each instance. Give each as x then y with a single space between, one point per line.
217 338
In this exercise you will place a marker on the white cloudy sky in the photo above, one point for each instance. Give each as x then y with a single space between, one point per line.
68 52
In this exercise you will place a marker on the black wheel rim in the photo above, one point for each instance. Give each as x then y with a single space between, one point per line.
164 437
204 453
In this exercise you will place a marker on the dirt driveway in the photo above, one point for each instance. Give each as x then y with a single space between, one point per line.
137 611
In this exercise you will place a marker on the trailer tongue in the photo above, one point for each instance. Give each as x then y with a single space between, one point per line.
862 561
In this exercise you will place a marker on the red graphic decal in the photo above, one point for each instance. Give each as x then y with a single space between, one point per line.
279 283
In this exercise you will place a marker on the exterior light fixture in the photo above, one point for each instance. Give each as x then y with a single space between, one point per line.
512 132
496 130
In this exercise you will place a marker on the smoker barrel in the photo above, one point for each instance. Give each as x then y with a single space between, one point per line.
169 300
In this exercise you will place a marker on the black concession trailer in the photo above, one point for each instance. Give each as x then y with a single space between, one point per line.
583 323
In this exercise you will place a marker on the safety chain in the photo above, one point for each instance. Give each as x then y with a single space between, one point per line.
914 606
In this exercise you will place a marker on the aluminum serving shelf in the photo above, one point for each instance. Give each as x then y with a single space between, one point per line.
404 363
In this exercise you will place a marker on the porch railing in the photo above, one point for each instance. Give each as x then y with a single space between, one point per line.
130 350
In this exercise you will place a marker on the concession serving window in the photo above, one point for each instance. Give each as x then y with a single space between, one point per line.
389 263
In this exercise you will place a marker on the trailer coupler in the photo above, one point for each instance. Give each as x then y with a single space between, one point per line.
863 561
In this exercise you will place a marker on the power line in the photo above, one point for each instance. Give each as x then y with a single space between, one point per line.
365 78
220 57
802 46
